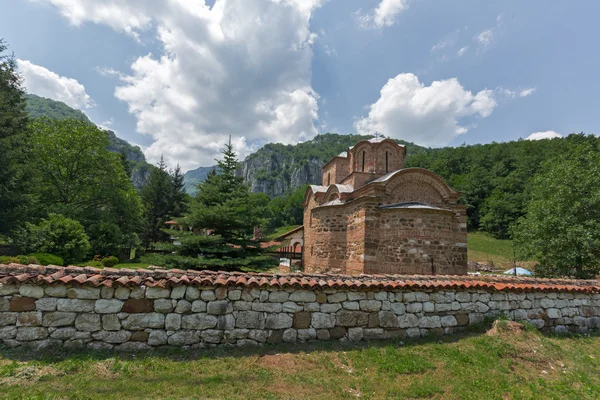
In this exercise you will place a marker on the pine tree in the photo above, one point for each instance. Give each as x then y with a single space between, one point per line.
13 144
156 199
226 210
178 194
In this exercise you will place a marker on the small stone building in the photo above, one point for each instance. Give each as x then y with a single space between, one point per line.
373 216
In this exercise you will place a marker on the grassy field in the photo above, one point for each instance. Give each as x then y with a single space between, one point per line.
507 365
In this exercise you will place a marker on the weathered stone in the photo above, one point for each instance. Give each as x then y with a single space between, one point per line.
164 305
312 307
323 334
337 297
158 293
139 336
370 305
476 318
388 319
83 293
19 304
331 308
157 338
278 297
219 307
290 306
133 346
6 290
355 334
31 291
554 313
462 319
302 320
290 335
46 304
108 306
381 296
351 318
183 338
250 319
306 296
173 322
208 295
8 318
198 321
82 335
398 308
112 336
354 296
373 320
414 307
88 322
178 292
337 333
448 320
235 334
322 320
107 292
408 321
192 293
373 333
234 294
428 307
122 293
258 334
321 298
221 292
31 318
351 305
75 305
59 318
27 334
4 305
420 296
267 307
413 333
99 346
275 337
184 306
144 320
264 296
546 303
306 334
8 332
138 306
211 335
225 321
110 322
278 321
242 305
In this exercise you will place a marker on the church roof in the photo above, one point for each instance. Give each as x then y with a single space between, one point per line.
318 188
412 204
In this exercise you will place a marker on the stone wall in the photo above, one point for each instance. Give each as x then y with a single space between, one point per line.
140 317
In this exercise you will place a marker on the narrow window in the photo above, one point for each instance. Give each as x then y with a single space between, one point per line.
328 179
386 162
311 250
363 163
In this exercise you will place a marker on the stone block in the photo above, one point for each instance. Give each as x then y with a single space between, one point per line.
321 297
351 318
264 296
219 307
178 292
183 338
307 334
184 306
546 303
46 304
192 293
63 333
157 337
107 292
323 334
374 333
554 313
225 321
476 318
258 334
413 333
250 320
234 294
373 320
421 297
337 333
278 297
208 295
306 296
355 334
144 320
448 320
242 305
275 337
355 296
112 336
312 307
108 306
139 336
408 321
290 306
173 322
302 320
337 297
290 335
279 321
351 305
30 318
8 332
443 307
6 290
388 319
236 334
99 346
330 307
20 304
428 307
138 306
414 307
198 321
122 293
398 308
267 307
322 320
83 293
370 305
164 305
27 334
4 304
430 322
133 346
59 318
31 291
75 305
221 293
158 293
88 322
110 322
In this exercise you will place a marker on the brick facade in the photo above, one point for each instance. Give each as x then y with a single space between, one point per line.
375 216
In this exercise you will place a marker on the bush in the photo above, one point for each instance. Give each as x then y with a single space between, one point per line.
20 259
110 262
93 263
57 235
8 260
48 259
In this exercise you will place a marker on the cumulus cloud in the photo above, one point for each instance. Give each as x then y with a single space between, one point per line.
384 15
239 68
427 115
43 82
543 135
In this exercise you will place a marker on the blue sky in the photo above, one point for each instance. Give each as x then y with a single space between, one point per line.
178 77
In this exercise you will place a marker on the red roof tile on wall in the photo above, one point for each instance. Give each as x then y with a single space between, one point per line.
110 277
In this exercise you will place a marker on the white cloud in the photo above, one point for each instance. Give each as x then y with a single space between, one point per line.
240 68
427 115
487 37
384 15
43 82
526 92
462 51
543 135
440 45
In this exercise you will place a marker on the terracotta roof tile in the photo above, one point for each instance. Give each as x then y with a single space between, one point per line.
157 277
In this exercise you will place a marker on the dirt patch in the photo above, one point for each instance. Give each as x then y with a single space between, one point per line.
504 327
285 362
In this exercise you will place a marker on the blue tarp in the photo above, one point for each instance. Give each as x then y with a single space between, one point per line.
520 271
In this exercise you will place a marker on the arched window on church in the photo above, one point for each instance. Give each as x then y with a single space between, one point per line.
386 163
363 162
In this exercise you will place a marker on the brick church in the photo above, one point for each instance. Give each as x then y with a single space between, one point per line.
371 215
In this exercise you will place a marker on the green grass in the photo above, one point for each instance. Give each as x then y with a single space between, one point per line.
132 265
484 248
281 231
473 366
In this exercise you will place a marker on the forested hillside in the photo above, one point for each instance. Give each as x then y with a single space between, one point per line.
138 168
